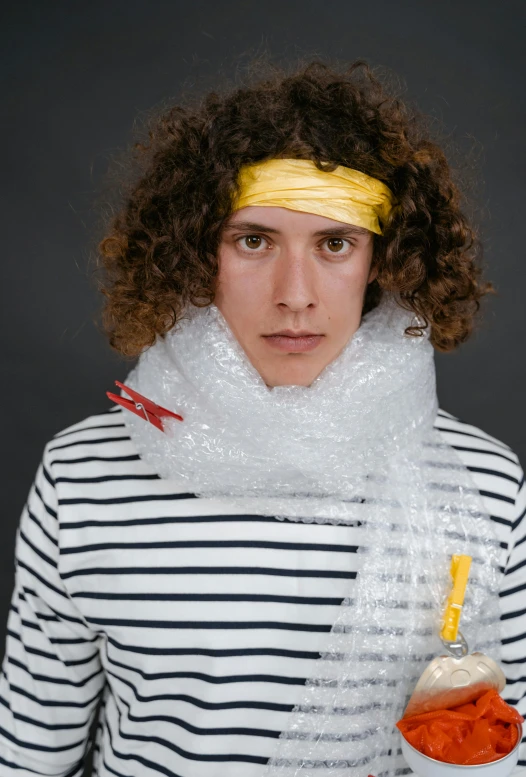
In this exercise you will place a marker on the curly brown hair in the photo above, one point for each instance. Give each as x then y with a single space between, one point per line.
159 249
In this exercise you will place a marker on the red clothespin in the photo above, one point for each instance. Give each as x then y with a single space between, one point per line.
142 406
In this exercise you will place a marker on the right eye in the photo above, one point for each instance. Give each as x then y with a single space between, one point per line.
253 242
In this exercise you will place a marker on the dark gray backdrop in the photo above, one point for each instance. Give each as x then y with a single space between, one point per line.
77 75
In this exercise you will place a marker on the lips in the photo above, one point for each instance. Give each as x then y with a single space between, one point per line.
294 344
292 333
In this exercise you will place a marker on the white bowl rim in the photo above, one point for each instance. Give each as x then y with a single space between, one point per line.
466 766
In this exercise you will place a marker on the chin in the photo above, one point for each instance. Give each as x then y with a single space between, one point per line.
291 378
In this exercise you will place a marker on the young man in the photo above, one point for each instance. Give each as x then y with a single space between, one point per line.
241 572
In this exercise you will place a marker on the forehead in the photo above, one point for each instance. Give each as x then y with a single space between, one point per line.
278 219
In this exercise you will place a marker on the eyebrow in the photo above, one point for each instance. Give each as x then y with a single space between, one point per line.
345 229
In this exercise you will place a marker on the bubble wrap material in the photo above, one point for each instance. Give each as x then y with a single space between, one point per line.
357 447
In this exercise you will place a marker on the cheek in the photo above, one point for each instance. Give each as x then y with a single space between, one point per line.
240 293
347 281
239 283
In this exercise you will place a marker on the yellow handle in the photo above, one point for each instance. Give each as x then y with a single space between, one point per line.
460 566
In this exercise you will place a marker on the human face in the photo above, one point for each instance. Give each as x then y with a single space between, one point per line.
284 269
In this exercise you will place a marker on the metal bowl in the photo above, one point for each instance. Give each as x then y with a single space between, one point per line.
429 767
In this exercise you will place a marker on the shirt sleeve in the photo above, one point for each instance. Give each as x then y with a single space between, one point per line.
51 677
513 614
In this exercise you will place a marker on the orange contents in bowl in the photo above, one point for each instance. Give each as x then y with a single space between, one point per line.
476 733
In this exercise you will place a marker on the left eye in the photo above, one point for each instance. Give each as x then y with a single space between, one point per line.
336 243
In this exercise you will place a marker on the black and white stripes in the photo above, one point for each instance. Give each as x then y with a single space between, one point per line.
196 629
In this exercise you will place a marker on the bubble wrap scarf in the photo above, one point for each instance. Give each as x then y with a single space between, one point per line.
357 447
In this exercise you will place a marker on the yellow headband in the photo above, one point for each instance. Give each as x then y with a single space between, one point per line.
344 195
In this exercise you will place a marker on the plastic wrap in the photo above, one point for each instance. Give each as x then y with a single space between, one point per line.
357 446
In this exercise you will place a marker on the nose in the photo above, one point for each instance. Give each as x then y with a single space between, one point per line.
294 280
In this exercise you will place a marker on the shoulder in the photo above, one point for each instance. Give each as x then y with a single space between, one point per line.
477 447
466 434
105 426
495 467
96 438
95 464
108 419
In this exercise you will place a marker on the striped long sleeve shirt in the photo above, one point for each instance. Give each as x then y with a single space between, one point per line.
183 633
